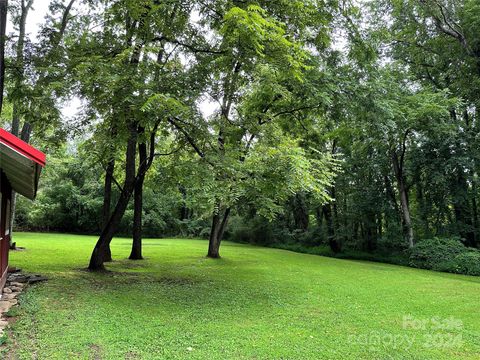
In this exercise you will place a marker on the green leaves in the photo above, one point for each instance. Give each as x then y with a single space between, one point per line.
164 105
249 26
280 171
252 34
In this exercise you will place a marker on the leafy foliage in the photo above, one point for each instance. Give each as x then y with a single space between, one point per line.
435 253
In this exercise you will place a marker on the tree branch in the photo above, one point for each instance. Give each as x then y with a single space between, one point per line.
190 140
189 46
113 177
404 148
63 24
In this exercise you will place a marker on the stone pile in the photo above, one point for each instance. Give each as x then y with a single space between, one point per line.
15 284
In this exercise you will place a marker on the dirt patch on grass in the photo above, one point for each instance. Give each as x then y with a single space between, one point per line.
95 352
131 355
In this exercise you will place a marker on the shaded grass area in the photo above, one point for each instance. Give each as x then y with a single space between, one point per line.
394 258
254 303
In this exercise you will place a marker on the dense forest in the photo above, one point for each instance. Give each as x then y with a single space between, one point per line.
312 125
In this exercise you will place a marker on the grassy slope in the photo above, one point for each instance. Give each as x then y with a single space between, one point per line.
254 303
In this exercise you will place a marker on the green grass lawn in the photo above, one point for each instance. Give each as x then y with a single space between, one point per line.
254 303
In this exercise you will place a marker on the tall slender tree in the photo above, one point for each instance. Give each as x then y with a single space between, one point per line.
3 27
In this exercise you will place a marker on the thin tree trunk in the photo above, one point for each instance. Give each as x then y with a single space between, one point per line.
333 242
370 234
184 211
356 226
475 212
107 200
219 224
380 225
394 204
402 189
330 212
319 216
463 213
300 212
19 64
25 136
475 222
136 253
3 26
336 223
19 70
422 209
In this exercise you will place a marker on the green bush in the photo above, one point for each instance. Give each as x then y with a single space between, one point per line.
467 263
448 255
436 253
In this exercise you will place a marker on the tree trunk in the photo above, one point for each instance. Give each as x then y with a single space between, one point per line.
19 65
98 254
300 212
423 210
379 225
184 211
107 200
475 213
370 244
392 199
330 212
370 232
219 224
336 223
463 213
319 216
463 218
3 26
333 242
136 253
26 132
402 190
356 227
25 136
20 69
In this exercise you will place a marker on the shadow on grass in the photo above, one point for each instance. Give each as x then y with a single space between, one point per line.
203 282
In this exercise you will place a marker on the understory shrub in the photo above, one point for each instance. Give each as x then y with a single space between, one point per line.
433 253
445 254
466 263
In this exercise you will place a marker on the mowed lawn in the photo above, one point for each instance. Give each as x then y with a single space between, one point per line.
254 303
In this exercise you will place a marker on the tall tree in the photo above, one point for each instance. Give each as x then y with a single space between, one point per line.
258 58
32 82
3 26
115 69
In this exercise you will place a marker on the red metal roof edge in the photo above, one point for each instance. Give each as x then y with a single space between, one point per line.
22 147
